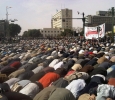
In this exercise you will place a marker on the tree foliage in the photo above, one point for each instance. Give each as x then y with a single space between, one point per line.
81 33
32 33
14 29
67 32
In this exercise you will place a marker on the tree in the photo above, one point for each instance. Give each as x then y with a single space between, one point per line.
14 29
25 34
32 33
67 32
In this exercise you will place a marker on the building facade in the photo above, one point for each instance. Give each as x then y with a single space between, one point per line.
62 19
100 18
50 32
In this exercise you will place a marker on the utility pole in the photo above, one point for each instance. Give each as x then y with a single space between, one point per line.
112 11
83 19
98 30
7 21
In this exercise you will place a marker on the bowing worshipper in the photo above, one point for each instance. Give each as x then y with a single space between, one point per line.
24 62
90 55
50 77
37 69
106 65
44 56
76 75
29 72
86 96
96 66
84 62
10 61
58 65
55 61
110 75
31 66
3 78
27 56
69 64
3 63
79 61
99 70
111 81
95 80
48 69
4 87
76 67
26 75
102 91
37 60
16 73
110 69
102 59
54 53
31 89
92 62
100 54
17 86
5 57
64 81
49 57
112 60
11 81
47 62
76 86
3 97
10 68
61 94
40 74
46 91
105 92
31 60
60 83
16 96
87 68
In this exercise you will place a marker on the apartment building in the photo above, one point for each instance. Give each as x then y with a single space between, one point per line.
62 19
100 18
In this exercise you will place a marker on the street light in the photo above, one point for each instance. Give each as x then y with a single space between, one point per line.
7 21
7 12
112 10
83 20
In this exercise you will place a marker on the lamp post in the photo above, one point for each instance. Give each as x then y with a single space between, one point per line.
112 12
7 21
83 20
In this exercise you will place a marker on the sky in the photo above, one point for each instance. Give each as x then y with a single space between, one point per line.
36 14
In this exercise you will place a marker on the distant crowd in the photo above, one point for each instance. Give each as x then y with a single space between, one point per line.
57 69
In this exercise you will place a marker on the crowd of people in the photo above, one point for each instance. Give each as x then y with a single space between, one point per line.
57 69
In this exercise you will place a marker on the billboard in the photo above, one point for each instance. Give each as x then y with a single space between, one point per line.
92 32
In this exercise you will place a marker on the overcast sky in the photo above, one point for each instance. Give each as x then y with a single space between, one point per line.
36 14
